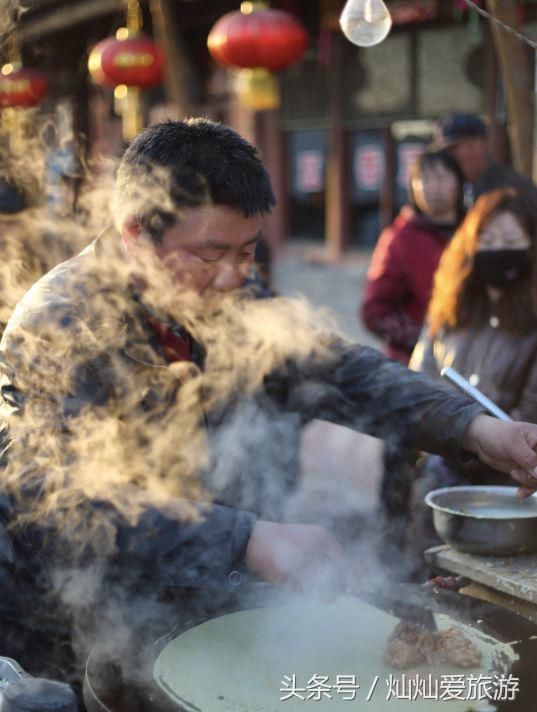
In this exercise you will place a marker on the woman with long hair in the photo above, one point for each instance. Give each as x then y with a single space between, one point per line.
482 321
400 276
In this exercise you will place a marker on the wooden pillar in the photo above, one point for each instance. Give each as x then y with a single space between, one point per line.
242 118
270 142
517 74
387 191
177 68
497 136
337 213
81 129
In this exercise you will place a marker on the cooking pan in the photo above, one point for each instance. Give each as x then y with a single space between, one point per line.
109 689
483 519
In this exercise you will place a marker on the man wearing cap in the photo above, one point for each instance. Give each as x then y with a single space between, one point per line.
465 137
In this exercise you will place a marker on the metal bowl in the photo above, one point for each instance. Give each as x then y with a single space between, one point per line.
485 519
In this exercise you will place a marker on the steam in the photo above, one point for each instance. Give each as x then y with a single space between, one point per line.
117 432
10 14
144 434
210 434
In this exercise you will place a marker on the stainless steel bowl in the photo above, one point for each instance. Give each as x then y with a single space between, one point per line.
485 520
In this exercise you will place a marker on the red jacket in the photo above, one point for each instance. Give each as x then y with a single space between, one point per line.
399 280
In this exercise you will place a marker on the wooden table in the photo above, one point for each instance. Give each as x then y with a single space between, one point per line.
507 581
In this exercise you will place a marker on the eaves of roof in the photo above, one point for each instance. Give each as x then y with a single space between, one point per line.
44 16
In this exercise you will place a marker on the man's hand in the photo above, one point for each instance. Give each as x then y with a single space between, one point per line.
303 557
508 447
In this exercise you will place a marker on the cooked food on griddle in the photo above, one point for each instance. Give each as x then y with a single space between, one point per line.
410 645
406 646
458 649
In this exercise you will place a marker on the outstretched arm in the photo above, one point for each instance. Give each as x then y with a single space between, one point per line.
361 389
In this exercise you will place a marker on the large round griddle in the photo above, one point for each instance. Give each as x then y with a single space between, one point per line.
109 688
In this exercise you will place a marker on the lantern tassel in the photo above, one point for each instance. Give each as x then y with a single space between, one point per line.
132 116
12 120
257 89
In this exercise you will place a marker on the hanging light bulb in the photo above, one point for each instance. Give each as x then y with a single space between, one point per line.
365 22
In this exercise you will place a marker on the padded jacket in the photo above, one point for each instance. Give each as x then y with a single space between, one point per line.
95 418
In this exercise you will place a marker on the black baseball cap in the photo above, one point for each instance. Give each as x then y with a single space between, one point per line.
451 129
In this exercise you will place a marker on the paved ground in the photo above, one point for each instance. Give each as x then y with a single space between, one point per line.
302 268
341 467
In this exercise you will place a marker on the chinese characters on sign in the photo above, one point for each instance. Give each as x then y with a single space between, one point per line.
497 688
307 163
310 171
368 167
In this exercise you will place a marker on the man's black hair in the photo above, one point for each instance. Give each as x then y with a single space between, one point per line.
198 162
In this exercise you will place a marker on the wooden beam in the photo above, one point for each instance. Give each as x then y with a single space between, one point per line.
337 208
270 141
517 75
65 16
178 68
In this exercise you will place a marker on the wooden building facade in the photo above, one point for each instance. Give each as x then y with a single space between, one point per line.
351 120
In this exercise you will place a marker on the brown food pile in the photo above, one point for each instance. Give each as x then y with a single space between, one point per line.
410 645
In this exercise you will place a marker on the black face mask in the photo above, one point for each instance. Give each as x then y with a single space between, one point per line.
501 268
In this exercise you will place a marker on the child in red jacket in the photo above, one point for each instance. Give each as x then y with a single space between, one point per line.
400 275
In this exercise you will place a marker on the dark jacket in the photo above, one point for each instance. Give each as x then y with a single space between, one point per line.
501 364
399 280
191 453
497 176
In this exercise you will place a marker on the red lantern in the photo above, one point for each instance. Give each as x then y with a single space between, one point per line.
20 87
257 37
135 61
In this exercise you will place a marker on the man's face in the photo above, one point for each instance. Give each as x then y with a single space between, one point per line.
210 249
471 155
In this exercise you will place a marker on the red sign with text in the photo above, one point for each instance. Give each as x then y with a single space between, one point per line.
310 171
369 167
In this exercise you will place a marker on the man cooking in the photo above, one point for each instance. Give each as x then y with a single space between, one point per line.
152 408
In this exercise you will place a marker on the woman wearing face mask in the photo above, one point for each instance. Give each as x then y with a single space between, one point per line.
482 321
400 276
